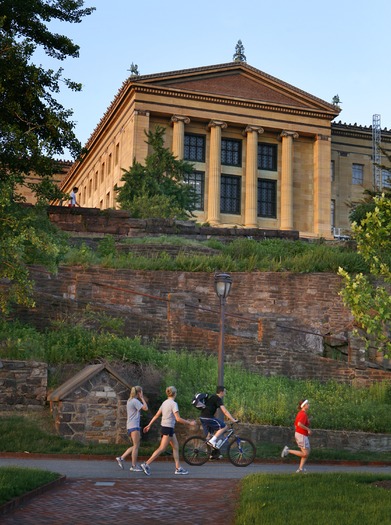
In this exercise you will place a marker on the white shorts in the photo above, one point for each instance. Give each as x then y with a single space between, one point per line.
302 441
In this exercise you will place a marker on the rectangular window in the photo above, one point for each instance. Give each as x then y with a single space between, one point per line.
96 180
197 179
194 147
332 214
267 198
230 194
267 156
116 157
332 171
109 164
357 173
102 173
231 152
386 179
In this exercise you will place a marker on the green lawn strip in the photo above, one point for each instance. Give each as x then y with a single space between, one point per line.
17 481
19 434
323 499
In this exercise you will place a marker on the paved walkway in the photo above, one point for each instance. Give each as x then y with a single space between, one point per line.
152 501
97 492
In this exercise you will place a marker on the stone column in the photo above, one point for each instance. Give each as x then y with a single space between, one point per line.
286 190
140 126
214 176
251 188
178 134
322 186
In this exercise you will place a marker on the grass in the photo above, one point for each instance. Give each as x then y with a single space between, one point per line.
16 481
240 255
35 434
323 499
251 397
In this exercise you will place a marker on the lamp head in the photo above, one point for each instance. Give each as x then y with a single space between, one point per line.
223 283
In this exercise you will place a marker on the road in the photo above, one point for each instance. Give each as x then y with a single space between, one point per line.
108 469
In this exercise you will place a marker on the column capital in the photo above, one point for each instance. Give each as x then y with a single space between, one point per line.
180 118
217 124
250 129
141 112
292 134
322 137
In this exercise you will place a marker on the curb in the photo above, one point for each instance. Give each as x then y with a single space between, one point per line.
17 502
168 457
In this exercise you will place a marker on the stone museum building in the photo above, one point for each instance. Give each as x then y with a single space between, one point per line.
265 153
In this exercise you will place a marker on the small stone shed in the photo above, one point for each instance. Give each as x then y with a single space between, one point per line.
91 406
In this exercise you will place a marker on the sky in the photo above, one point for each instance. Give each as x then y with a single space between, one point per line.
326 49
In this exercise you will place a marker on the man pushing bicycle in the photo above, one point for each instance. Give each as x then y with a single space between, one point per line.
210 422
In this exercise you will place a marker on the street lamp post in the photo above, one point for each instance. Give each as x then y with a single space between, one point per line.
223 283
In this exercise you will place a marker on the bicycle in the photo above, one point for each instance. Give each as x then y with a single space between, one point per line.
241 451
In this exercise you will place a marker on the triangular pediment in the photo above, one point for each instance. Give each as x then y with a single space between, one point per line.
240 81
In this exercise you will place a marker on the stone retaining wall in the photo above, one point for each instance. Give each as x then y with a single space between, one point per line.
329 439
23 384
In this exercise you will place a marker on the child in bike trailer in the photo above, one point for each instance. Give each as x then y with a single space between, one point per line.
210 422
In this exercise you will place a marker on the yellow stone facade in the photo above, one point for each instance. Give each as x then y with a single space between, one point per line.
261 148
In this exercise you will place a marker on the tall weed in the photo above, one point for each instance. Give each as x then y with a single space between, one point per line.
251 397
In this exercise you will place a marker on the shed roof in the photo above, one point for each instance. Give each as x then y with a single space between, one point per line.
80 378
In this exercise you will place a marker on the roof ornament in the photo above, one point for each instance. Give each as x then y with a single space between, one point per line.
336 101
239 55
134 70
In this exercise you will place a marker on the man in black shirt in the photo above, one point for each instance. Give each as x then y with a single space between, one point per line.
211 423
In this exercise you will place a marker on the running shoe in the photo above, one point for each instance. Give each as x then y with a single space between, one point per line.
182 471
145 468
136 468
120 462
285 452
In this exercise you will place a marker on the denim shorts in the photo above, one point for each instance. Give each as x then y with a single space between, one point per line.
130 430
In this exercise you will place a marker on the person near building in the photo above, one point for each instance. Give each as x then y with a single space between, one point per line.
169 413
302 433
134 405
208 418
72 198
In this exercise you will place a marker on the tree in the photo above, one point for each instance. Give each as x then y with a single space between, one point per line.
158 188
34 128
368 297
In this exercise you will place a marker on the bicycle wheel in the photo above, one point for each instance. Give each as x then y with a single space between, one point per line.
195 451
241 452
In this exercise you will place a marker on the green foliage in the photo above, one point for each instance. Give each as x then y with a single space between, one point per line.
251 397
324 499
241 255
368 297
107 246
157 189
34 128
27 237
16 481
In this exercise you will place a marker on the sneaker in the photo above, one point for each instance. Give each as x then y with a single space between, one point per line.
136 469
120 462
213 445
145 468
182 471
285 452
301 471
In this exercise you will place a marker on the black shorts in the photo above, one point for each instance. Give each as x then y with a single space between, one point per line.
167 431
